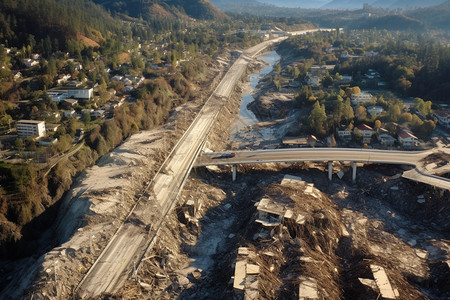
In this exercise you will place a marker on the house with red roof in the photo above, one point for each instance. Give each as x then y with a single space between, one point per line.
407 139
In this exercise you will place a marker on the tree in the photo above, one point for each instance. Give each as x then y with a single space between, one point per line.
377 124
422 107
86 117
424 130
18 143
352 90
361 113
317 119
304 96
327 80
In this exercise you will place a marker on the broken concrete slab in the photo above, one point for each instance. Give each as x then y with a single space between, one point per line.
308 288
382 282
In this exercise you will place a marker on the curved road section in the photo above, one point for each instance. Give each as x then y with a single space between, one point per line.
138 233
332 154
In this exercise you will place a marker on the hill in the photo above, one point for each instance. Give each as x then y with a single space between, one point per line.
197 9
48 24
436 17
389 22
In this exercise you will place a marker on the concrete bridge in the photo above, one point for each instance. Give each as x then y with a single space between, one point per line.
412 158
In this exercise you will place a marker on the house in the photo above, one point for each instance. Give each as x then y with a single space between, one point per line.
99 113
357 99
443 118
63 78
17 75
52 127
313 80
374 110
26 128
86 111
129 88
366 132
116 78
347 78
78 66
344 133
69 113
30 62
385 138
74 83
407 139
294 142
70 102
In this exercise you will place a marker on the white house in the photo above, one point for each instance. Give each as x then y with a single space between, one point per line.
26 128
63 78
407 139
361 98
443 118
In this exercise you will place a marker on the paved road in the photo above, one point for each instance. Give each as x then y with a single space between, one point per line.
139 232
332 154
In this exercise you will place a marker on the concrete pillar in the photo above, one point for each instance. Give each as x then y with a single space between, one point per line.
234 172
353 172
330 170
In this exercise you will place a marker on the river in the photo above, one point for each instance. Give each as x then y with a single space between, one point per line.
247 117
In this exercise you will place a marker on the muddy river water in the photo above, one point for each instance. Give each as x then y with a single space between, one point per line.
246 116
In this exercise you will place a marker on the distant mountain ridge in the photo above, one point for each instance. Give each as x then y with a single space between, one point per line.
335 4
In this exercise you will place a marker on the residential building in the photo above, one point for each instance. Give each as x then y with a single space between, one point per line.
360 98
407 139
385 138
366 132
69 113
443 118
52 127
344 133
313 80
26 128
99 113
30 62
374 110
63 78
71 102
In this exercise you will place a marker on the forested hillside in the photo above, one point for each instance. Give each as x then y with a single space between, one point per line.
197 9
47 24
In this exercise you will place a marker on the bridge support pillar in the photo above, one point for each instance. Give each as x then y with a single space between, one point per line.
330 170
353 172
234 172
